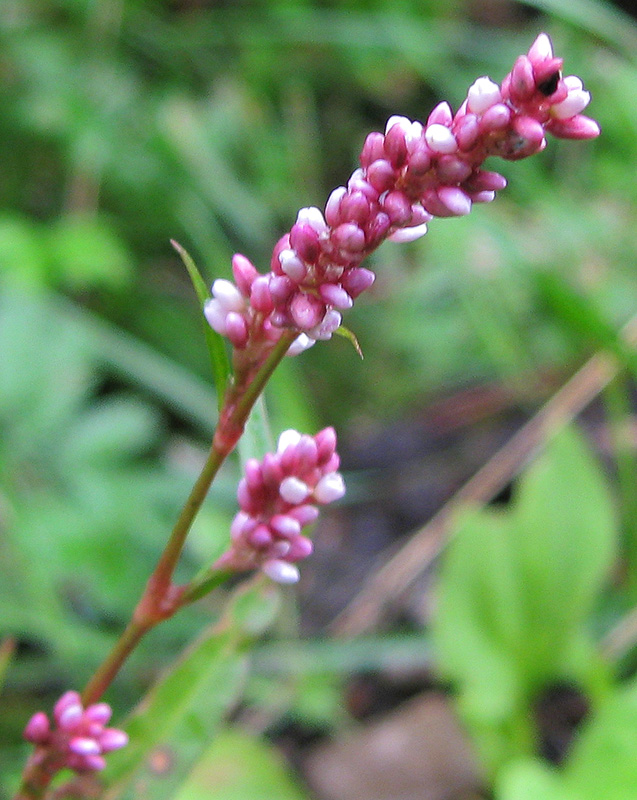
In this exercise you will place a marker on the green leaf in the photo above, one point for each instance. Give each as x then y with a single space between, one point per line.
240 767
581 317
86 251
216 343
530 779
565 543
603 762
172 726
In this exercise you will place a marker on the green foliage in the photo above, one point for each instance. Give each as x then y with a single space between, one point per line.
602 763
179 716
516 591
239 767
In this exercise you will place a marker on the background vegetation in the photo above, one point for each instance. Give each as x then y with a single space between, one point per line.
129 122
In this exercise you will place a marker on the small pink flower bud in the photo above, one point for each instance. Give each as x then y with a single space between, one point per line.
292 266
495 118
483 94
300 547
306 310
575 102
70 716
373 148
244 273
396 146
541 49
381 175
397 206
440 139
293 490
260 296
313 217
355 207
441 115
260 537
285 525
330 322
404 235
227 295
522 84
336 296
357 280
578 127
281 571
38 728
332 207
331 487
457 201
84 746
451 169
349 236
466 131
236 330
112 739
305 514
305 241
98 712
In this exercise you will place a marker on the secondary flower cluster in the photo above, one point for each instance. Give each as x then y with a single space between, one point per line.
408 175
79 739
278 497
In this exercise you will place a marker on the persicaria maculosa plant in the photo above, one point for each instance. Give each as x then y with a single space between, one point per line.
408 175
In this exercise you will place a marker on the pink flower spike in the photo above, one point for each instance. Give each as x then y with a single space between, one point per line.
38 728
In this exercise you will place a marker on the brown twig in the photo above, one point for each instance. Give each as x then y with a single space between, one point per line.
365 611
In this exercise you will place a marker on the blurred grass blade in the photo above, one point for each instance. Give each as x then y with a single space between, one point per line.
216 344
602 19
581 318
173 725
7 649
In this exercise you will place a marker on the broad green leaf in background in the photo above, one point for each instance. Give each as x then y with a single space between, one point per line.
174 724
238 766
515 590
602 763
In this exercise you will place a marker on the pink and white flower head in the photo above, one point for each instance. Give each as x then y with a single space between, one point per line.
78 737
409 174
278 497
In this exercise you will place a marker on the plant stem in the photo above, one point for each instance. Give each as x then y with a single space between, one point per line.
161 598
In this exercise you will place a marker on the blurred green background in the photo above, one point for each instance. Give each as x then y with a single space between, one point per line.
128 122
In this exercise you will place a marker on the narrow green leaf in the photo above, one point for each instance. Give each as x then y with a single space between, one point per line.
216 344
583 320
257 438
7 649
346 333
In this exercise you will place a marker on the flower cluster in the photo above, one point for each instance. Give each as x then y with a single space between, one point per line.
79 739
278 497
408 175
